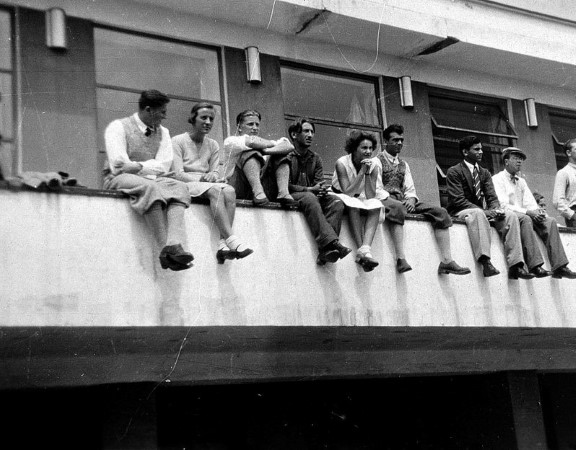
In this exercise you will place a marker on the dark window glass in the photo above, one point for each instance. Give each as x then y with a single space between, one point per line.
455 116
563 125
6 95
336 104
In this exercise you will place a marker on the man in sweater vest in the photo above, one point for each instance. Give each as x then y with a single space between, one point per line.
397 181
139 153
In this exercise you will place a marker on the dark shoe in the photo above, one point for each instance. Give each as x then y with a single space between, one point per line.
539 272
452 267
343 251
241 254
368 263
327 256
402 265
518 271
260 200
287 200
488 269
564 272
223 254
175 258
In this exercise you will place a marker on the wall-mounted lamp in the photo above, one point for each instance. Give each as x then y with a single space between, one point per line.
406 99
56 29
530 108
253 74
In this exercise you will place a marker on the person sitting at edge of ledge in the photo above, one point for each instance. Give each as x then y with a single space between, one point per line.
139 153
398 182
247 170
196 163
323 212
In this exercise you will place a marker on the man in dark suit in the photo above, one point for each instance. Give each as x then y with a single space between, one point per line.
471 197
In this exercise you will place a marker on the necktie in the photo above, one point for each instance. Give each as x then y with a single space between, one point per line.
477 188
513 178
148 132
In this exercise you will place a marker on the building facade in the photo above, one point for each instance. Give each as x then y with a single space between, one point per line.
432 352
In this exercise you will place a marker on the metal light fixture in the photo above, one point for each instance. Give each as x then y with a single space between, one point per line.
253 73
56 29
530 109
406 99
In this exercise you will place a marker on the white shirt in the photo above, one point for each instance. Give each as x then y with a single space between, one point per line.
564 195
116 149
408 187
513 196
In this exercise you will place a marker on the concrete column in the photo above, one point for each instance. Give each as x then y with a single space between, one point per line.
527 410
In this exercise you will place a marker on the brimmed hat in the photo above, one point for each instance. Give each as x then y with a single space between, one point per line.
513 151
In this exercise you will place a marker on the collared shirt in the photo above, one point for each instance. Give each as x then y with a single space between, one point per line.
116 148
408 187
471 168
514 196
564 196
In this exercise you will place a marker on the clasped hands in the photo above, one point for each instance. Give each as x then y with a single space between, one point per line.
319 190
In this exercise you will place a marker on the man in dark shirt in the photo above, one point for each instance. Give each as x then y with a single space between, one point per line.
323 212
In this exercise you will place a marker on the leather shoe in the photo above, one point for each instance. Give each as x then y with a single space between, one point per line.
402 265
539 272
260 200
367 262
223 254
488 269
518 271
564 272
327 256
174 257
342 250
242 253
452 267
287 200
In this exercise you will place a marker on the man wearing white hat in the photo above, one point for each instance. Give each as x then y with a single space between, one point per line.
515 195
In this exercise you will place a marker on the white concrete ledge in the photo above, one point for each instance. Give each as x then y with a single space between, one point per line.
86 261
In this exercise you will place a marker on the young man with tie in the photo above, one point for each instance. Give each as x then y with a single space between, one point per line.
471 197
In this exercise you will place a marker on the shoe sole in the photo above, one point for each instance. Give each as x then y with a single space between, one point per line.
329 257
454 272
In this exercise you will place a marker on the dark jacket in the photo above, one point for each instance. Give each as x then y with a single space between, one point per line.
461 193
305 171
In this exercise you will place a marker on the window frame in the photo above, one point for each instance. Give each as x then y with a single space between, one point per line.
559 154
11 141
218 50
374 80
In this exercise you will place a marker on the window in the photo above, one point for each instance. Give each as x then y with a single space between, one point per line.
127 64
455 116
335 103
563 125
6 94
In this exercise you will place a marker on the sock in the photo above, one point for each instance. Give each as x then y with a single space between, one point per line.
282 177
175 219
234 243
157 223
364 250
252 171
222 244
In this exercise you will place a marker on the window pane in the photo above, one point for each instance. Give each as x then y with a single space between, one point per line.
329 97
470 115
5 41
136 62
114 104
329 143
564 128
6 106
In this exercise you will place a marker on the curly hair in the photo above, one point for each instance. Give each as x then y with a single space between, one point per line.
356 137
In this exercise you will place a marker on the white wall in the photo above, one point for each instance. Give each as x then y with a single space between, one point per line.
88 261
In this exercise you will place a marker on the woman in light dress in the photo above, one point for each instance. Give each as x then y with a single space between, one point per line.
196 162
356 183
